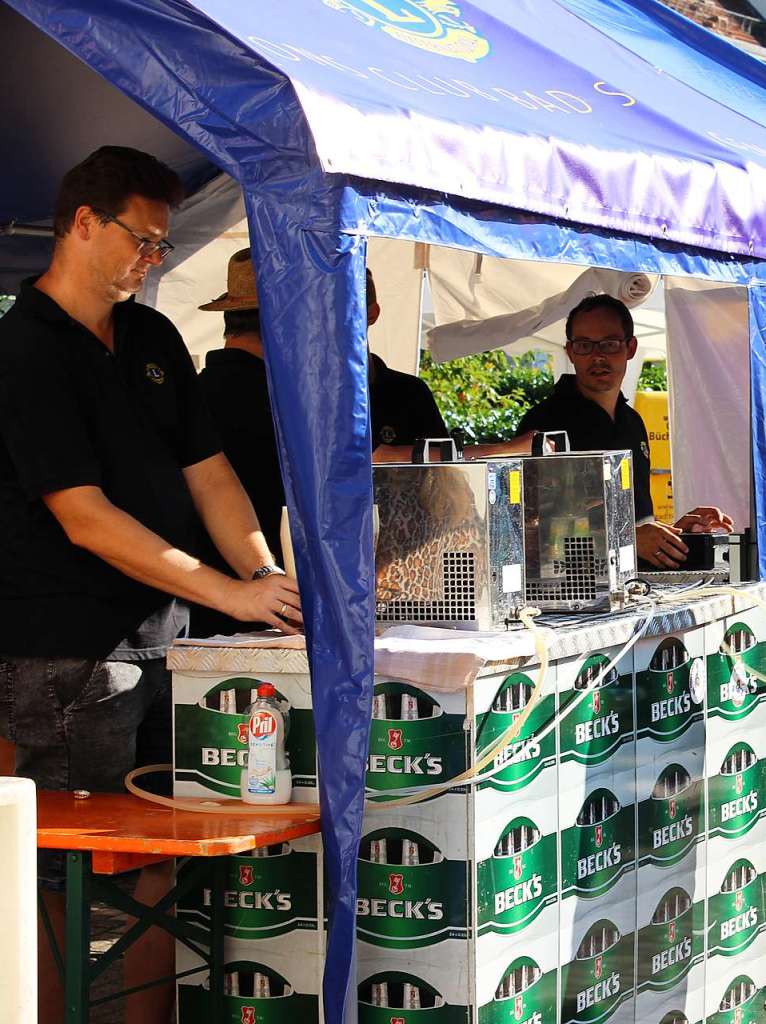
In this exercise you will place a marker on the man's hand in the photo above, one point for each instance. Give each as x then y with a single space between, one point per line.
705 519
273 599
661 545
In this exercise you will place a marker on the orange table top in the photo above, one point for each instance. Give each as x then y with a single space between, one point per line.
124 831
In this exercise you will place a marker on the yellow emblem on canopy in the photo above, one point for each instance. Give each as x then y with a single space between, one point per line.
433 25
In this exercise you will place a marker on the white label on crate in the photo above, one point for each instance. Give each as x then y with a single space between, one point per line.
492 496
491 480
511 579
607 470
627 558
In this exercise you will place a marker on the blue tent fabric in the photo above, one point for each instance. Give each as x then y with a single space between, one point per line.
329 494
757 304
279 101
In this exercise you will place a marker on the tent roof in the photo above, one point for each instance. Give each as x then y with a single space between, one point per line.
530 105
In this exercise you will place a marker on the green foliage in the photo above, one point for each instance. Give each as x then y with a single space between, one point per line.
486 395
654 377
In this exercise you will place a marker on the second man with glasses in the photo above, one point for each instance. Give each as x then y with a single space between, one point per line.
591 408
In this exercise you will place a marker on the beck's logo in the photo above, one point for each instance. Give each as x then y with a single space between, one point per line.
398 1020
596 702
739 785
518 1008
518 867
598 967
672 927
155 373
599 835
248 1015
396 884
672 808
242 732
739 901
670 682
245 874
395 739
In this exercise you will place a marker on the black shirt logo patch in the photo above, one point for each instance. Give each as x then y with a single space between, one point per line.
155 373
645 449
387 434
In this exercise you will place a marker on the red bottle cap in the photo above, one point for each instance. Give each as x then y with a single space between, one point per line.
267 690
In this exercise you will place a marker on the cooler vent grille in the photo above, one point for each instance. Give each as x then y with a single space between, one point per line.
457 605
579 570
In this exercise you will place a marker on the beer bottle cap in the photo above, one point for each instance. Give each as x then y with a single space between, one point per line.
266 690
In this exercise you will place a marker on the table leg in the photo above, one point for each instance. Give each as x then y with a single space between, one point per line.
217 889
77 951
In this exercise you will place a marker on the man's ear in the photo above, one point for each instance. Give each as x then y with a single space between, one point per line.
373 312
632 346
83 222
568 350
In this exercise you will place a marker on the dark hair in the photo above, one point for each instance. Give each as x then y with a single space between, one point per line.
603 302
241 321
372 295
107 178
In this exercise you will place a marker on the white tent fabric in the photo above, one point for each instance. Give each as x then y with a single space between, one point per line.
710 433
522 306
211 226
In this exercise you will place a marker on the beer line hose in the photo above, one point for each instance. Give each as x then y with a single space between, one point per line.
414 795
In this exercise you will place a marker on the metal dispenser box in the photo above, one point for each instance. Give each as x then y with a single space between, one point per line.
468 544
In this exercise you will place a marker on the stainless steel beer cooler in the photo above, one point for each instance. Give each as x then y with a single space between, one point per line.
468 544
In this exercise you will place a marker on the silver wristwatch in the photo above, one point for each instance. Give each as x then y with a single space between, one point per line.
267 570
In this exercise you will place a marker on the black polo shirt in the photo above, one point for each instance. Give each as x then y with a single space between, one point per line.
237 395
74 414
402 407
591 428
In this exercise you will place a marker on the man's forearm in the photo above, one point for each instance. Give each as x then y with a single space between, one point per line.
227 512
92 522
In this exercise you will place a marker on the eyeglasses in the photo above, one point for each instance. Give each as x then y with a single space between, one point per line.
147 247
607 346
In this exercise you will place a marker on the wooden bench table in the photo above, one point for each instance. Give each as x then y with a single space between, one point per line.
109 833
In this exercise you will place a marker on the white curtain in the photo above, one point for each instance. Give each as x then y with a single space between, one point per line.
709 367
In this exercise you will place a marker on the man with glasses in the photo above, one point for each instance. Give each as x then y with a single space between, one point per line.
591 408
108 462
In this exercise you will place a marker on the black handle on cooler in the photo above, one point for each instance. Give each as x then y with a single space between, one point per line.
448 450
559 439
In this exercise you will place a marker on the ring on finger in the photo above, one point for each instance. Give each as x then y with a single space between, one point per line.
282 610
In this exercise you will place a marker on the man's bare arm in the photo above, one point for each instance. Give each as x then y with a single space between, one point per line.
92 522
227 512
521 445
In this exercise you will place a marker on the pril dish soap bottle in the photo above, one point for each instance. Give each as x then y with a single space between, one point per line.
266 778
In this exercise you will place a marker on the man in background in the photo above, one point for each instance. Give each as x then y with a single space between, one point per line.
591 408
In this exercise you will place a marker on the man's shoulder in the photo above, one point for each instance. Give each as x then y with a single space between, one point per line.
635 418
25 337
547 413
138 313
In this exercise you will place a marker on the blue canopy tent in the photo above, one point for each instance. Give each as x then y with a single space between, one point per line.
601 132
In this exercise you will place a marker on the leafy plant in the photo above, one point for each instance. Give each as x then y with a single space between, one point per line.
654 376
486 395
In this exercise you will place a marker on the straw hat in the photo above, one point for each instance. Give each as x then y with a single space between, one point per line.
241 292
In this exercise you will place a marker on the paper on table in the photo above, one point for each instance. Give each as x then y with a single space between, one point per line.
267 638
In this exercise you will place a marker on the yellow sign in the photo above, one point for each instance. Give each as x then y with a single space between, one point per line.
433 25
652 407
